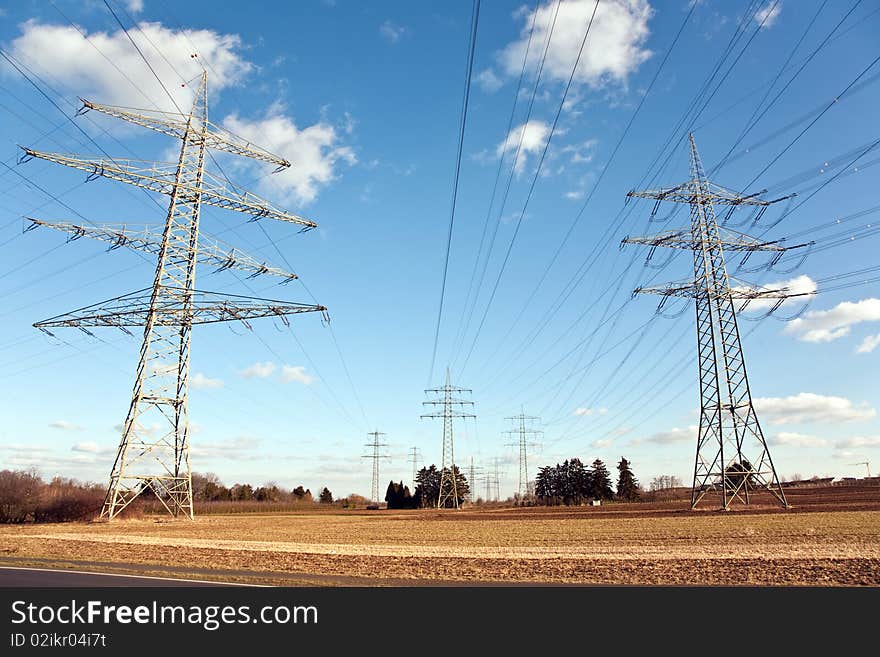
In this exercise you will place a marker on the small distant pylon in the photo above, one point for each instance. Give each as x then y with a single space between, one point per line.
730 436
449 402
474 473
376 456
415 459
523 430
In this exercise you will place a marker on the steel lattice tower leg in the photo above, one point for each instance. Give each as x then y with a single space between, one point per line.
154 450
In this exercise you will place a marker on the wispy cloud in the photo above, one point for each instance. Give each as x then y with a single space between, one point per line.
64 425
835 323
810 407
586 412
529 137
869 344
391 31
793 439
201 382
489 81
258 370
767 15
671 437
296 373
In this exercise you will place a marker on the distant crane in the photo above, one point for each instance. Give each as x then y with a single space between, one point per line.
867 465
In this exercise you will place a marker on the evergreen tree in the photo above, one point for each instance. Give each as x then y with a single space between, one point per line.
326 496
600 485
627 484
428 486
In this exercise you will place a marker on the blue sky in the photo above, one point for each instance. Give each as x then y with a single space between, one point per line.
365 100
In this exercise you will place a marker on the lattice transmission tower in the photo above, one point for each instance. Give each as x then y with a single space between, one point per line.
153 452
523 429
376 455
415 458
732 455
451 404
474 472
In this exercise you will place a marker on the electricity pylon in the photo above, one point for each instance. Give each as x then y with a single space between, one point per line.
154 449
522 430
495 479
474 472
448 484
732 455
415 457
375 455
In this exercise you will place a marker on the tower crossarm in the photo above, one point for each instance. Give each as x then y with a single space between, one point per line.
730 240
175 125
206 308
694 191
691 291
147 238
450 413
161 177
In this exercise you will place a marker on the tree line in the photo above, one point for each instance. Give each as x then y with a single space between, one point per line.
572 483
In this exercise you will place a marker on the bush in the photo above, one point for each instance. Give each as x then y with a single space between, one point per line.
21 492
80 504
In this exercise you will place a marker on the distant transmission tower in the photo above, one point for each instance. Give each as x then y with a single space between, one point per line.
154 449
375 455
522 430
415 457
496 479
732 455
449 402
474 472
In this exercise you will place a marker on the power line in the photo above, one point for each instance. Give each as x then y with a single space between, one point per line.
462 126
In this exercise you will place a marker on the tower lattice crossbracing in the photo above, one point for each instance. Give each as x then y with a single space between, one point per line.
153 453
732 457
375 454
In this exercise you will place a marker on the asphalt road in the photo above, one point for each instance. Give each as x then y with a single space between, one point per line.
46 577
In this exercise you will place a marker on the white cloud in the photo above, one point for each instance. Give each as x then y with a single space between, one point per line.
810 407
296 373
828 325
70 57
614 48
313 151
489 81
201 382
533 134
858 441
766 16
64 425
602 443
391 31
580 153
574 195
798 285
869 344
587 412
673 436
89 447
135 6
240 448
793 439
258 370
